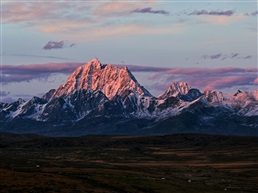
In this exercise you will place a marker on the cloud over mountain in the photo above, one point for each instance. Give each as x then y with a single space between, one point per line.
207 78
204 78
35 71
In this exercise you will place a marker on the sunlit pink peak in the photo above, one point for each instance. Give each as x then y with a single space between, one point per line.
94 60
92 64
182 87
176 88
214 96
246 96
109 79
207 92
255 94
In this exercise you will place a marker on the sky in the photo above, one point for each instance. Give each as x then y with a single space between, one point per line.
208 44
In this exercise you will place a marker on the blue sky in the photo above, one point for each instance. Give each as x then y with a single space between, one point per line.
209 44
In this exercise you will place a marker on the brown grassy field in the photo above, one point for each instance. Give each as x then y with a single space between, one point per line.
176 163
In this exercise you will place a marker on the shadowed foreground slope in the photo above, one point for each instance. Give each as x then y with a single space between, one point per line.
176 163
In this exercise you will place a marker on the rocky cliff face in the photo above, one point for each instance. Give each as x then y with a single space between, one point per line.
110 80
175 89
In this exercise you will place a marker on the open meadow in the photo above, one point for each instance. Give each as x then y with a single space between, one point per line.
176 163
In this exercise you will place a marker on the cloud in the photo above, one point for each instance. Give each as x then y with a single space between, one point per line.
255 81
48 17
57 45
10 99
29 72
207 78
54 45
32 12
69 18
72 45
203 78
225 56
217 17
226 82
150 10
247 57
135 68
233 55
7 99
217 13
4 98
215 56
3 93
130 29
254 13
222 20
114 8
38 56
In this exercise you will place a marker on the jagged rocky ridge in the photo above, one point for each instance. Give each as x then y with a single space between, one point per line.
106 99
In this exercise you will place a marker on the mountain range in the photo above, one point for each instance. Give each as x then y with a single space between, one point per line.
108 100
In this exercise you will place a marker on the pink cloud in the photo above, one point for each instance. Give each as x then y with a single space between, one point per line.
221 19
160 78
83 18
256 81
206 78
47 17
29 72
223 82
114 7
125 30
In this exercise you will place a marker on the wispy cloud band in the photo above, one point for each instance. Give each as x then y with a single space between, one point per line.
150 10
207 78
254 13
205 12
226 56
35 71
203 78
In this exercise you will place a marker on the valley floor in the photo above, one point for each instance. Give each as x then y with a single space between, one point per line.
176 163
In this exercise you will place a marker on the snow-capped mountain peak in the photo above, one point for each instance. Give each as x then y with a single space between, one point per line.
255 94
109 79
175 89
213 96
97 97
